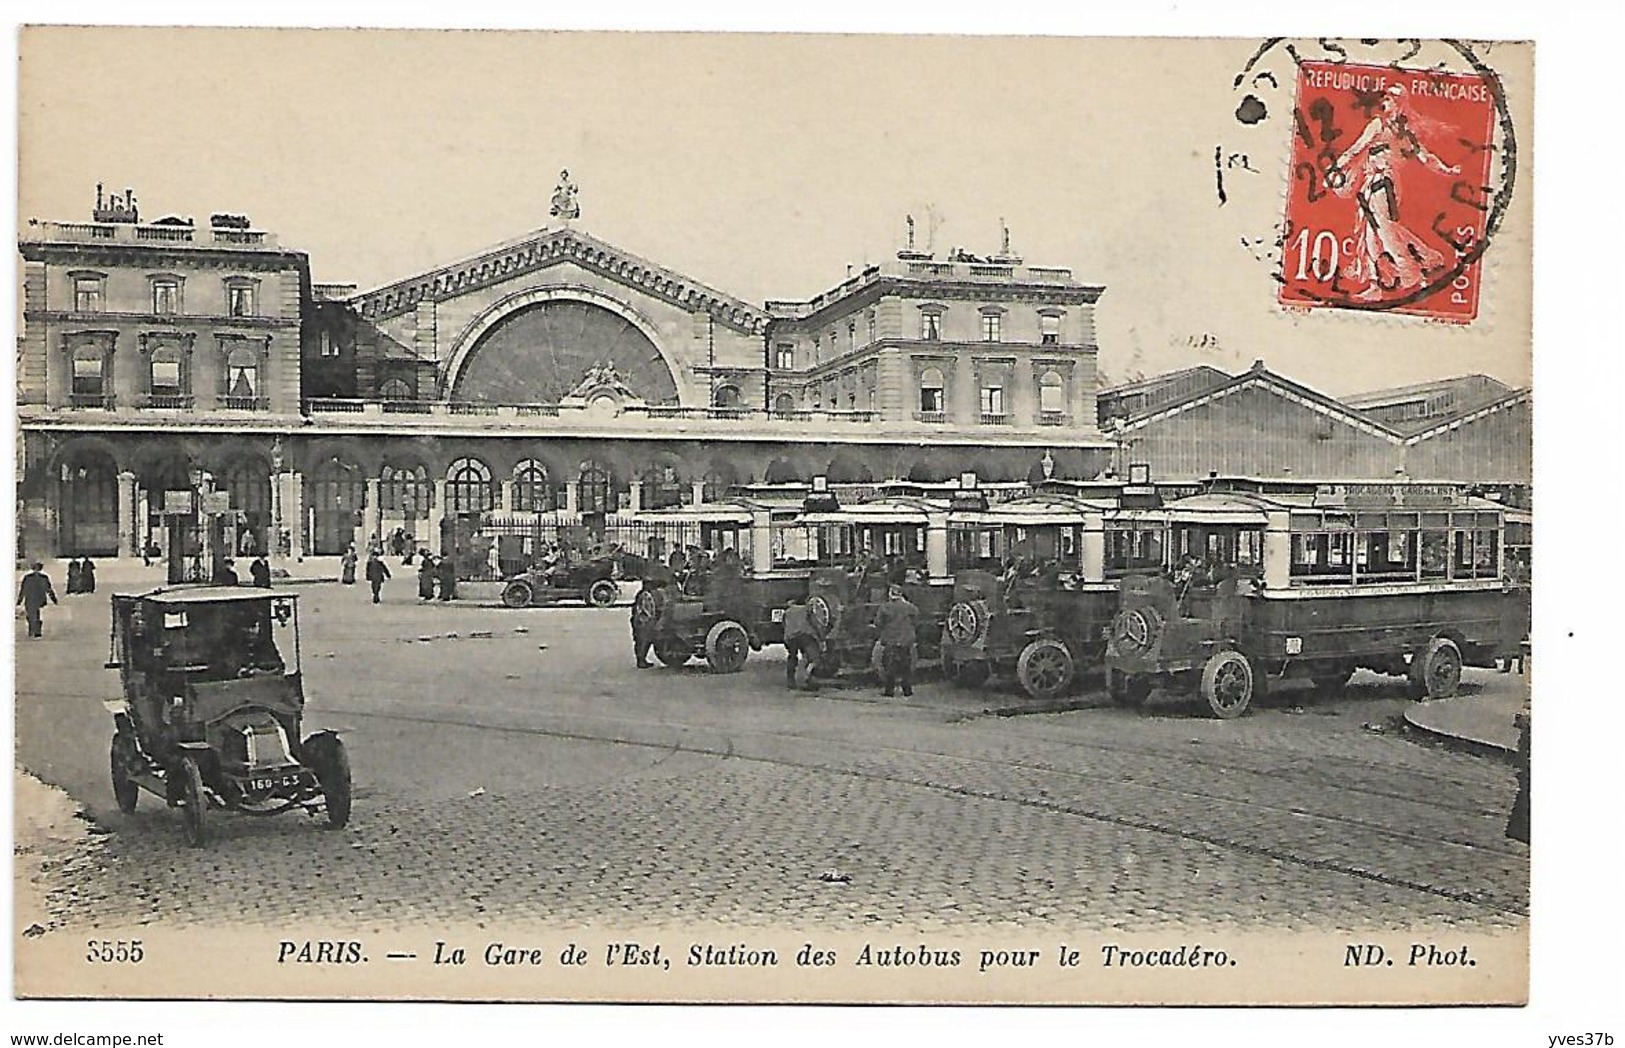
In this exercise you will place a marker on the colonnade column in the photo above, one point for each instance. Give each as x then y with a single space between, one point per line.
634 496
936 545
129 533
372 525
698 491
505 492
572 498
437 513
292 486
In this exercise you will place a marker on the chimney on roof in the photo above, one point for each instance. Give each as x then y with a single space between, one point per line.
1258 365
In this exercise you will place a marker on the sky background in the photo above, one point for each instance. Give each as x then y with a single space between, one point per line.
762 165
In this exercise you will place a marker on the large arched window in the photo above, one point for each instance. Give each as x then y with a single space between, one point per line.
932 400
595 489
718 482
405 489
242 378
531 491
662 487
728 396
88 510
784 404
468 486
1051 393
395 389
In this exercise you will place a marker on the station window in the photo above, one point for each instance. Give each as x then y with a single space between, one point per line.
931 391
990 327
1049 328
993 401
931 326
1051 394
871 325
166 296
241 300
87 294
785 356
330 345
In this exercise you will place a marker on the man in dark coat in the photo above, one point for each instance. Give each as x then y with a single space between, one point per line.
32 595
377 572
426 575
894 628
228 574
72 585
87 576
259 572
447 572
647 608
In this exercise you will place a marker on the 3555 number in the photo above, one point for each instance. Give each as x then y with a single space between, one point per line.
113 951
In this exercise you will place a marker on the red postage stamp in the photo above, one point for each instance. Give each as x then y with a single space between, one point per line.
1390 197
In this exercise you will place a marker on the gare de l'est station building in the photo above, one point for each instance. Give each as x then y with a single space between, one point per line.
170 364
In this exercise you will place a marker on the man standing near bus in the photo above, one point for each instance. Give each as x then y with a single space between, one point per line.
894 628
32 595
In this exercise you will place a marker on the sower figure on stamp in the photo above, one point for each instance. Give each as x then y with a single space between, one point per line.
894 627
32 595
647 608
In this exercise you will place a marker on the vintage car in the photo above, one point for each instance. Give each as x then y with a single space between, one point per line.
838 630
1400 579
594 579
210 715
1042 616
722 625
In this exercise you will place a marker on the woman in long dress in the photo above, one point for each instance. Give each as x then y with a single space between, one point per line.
347 567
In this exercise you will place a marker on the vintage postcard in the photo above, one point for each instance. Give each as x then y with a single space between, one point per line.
772 518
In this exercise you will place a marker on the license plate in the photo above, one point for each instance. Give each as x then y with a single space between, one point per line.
273 782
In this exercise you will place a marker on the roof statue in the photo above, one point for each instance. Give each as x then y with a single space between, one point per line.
564 199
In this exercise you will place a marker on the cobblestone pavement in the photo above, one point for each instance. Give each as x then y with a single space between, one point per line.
534 774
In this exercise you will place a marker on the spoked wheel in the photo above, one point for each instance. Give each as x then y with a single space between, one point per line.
1129 690
516 595
1436 673
1227 684
603 593
123 756
727 645
1045 668
672 651
327 758
194 804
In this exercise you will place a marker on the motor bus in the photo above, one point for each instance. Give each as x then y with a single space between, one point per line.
1258 586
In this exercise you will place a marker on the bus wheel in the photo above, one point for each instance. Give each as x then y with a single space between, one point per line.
1227 684
673 651
727 646
1045 668
1440 673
